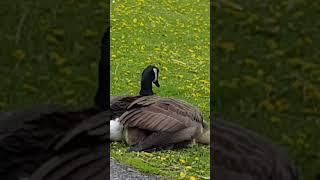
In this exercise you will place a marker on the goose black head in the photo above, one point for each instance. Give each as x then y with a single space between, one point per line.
149 75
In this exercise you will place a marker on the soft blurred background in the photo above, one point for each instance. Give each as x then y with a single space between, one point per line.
49 51
268 69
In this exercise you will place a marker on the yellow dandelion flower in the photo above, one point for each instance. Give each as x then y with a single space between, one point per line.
227 46
180 76
182 174
182 161
66 71
30 88
51 39
140 2
275 119
56 58
192 178
267 105
148 154
19 54
205 81
58 32
142 48
163 158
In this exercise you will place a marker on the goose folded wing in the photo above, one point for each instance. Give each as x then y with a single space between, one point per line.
182 108
153 121
171 105
144 101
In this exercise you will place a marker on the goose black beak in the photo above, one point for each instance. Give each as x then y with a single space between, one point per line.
157 83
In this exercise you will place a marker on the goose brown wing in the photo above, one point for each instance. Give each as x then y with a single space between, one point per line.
185 109
152 121
119 105
159 114
176 106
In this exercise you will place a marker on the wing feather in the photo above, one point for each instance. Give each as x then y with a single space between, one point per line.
156 113
151 121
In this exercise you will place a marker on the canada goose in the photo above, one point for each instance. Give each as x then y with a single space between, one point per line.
151 121
156 122
239 153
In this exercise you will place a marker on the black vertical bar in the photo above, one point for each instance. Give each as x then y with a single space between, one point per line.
212 92
107 60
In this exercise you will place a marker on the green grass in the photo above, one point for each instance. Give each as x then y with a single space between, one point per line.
269 71
171 164
174 36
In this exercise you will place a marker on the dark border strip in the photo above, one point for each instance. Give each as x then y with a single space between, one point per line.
212 92
108 80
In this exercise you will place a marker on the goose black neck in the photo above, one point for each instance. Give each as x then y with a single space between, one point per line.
102 99
146 88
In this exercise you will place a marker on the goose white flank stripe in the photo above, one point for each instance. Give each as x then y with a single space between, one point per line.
116 129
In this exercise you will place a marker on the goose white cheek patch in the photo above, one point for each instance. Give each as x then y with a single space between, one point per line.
155 74
116 129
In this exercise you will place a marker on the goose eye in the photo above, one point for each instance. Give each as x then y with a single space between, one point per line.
155 74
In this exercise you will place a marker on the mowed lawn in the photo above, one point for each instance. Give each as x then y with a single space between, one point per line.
174 35
268 56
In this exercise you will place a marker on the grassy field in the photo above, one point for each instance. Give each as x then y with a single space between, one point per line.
174 36
269 74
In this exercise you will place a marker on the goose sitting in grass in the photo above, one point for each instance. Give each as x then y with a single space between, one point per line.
239 153
149 122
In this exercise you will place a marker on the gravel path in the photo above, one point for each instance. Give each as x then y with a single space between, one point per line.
121 172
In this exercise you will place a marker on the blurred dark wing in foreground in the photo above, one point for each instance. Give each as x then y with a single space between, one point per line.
243 155
81 164
31 137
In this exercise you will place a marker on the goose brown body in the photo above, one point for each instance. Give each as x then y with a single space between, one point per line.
156 113
150 119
